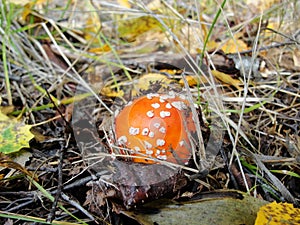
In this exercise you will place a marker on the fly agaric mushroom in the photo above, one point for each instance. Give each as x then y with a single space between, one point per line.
156 126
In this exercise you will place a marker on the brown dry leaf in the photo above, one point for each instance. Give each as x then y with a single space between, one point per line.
296 58
7 109
7 162
278 213
285 58
227 79
54 57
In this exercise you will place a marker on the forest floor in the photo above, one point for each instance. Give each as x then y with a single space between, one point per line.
67 70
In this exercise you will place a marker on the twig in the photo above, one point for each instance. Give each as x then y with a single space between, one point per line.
264 48
51 215
76 205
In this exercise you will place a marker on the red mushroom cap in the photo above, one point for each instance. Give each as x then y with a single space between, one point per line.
157 126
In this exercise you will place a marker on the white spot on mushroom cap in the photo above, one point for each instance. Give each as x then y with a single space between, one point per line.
162 157
151 95
168 106
171 94
181 143
134 130
160 142
147 145
149 151
150 113
155 105
162 130
151 134
178 105
145 131
161 100
164 97
137 149
156 125
164 114
122 140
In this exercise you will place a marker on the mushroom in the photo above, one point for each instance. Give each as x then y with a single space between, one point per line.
156 126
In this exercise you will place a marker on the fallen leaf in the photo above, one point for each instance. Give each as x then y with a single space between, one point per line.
262 5
194 80
14 135
296 58
24 2
7 162
227 79
109 92
92 26
234 209
230 46
124 3
131 28
147 81
278 213
98 50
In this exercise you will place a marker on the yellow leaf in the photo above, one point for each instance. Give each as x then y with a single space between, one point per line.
262 5
233 46
230 46
147 81
24 2
14 135
193 80
124 3
92 27
92 23
99 50
109 92
131 28
278 213
227 79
